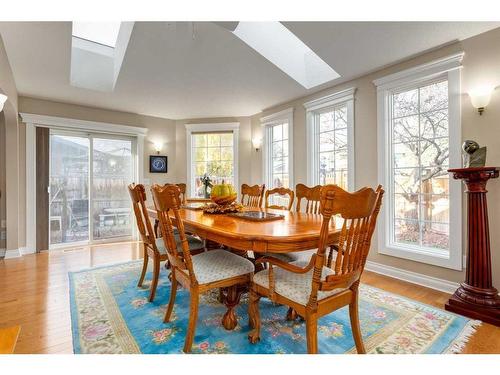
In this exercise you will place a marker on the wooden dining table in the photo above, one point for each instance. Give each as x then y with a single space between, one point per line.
296 231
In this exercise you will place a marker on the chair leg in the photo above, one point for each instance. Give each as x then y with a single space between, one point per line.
156 276
312 333
254 316
193 316
171 301
356 330
144 267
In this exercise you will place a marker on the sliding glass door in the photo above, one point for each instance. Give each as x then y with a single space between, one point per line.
89 175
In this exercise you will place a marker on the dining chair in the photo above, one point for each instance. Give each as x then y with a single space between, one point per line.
182 188
153 247
316 290
284 194
311 196
252 196
196 273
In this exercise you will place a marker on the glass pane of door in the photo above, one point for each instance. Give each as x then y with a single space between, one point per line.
69 189
112 172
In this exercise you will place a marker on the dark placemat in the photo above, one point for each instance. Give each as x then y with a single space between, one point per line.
257 216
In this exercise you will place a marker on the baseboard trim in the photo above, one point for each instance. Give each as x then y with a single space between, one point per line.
413 277
14 253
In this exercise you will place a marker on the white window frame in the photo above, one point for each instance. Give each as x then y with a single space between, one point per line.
313 109
448 68
267 123
215 127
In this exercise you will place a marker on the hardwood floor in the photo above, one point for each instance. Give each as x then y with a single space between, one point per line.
34 294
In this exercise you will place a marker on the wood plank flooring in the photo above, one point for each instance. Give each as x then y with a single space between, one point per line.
34 294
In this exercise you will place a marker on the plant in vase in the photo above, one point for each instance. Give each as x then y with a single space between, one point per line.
207 183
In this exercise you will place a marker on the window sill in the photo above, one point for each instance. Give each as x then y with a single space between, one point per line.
440 258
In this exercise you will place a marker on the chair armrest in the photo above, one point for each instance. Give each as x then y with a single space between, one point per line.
287 266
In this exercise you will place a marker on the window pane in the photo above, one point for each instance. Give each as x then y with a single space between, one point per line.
434 96
406 155
405 103
421 139
435 152
226 139
277 150
285 131
277 131
405 129
112 160
213 153
200 140
406 180
226 153
436 235
326 141
434 124
340 116
213 140
435 208
326 122
341 139
341 159
200 154
406 231
406 206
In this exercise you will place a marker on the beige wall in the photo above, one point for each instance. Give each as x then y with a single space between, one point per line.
481 65
2 180
10 148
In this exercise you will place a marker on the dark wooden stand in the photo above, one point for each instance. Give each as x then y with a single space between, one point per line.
476 297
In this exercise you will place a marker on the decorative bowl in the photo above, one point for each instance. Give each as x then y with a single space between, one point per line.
224 201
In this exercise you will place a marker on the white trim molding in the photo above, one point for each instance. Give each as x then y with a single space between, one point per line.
313 109
267 122
413 277
330 100
425 71
443 69
81 125
211 127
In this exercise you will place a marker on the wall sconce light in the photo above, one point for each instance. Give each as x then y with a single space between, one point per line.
158 146
257 143
3 99
481 97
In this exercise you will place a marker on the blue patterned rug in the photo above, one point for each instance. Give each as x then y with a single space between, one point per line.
110 314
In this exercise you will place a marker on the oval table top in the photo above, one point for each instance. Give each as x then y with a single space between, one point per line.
295 232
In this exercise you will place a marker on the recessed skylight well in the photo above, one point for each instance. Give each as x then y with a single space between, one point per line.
281 47
105 33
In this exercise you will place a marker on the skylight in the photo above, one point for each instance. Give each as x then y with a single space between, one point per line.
105 33
281 47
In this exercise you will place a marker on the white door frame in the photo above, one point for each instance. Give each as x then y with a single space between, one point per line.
32 121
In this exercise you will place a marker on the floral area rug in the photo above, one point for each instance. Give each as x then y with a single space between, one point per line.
110 314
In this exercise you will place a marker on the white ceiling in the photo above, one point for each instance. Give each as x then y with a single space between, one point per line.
173 71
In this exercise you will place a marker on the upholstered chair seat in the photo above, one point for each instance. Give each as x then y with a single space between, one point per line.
219 265
302 256
296 287
194 243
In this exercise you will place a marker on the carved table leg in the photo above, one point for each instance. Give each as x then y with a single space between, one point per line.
231 300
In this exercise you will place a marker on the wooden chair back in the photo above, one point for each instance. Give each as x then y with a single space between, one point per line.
311 195
138 196
182 188
252 196
167 204
282 192
359 211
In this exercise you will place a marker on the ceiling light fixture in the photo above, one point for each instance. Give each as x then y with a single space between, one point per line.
281 47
